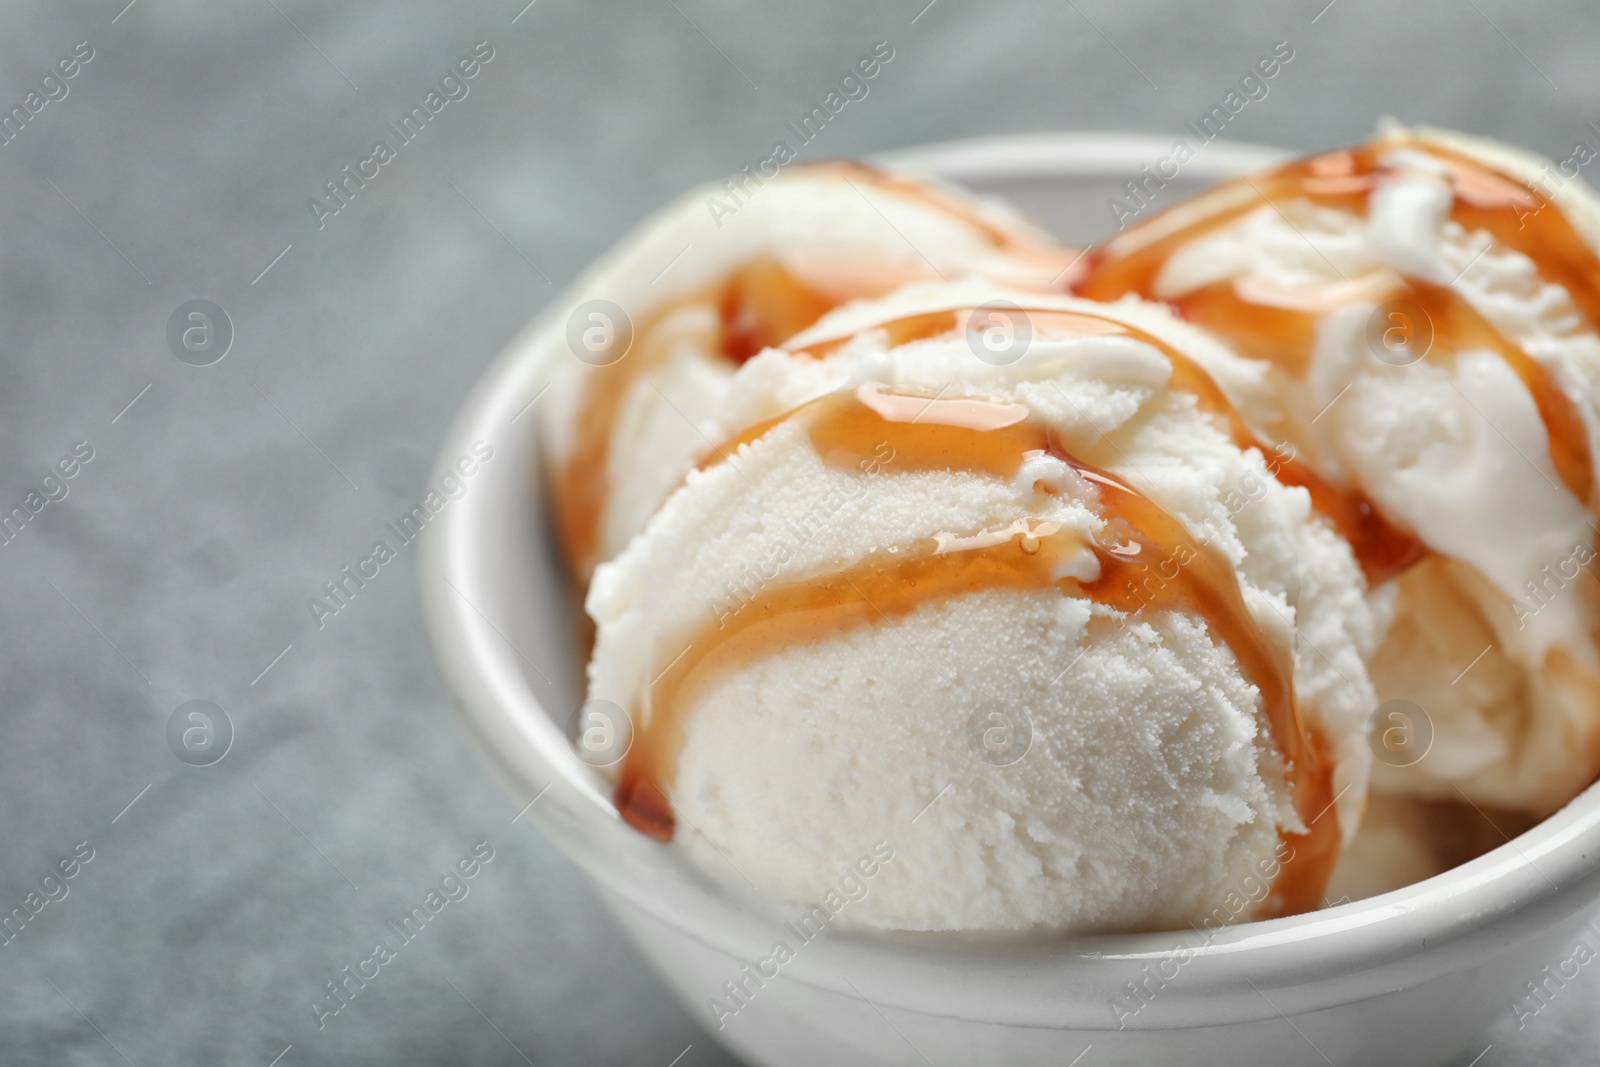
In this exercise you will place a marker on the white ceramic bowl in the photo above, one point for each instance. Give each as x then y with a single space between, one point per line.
1409 977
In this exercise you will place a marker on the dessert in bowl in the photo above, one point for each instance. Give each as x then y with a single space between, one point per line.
825 894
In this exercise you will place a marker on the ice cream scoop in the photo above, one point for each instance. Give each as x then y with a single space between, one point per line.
999 584
643 345
1424 309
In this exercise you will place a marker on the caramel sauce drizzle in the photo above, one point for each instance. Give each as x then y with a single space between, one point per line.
1148 562
756 305
763 305
919 190
759 304
1019 245
1382 548
1263 327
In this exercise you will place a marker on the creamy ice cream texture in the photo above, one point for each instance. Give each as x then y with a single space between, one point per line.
644 344
1040 613
1081 610
1423 310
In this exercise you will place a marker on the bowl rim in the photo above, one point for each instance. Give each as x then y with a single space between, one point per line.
1312 961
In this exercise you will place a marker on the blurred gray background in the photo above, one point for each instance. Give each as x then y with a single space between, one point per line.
177 567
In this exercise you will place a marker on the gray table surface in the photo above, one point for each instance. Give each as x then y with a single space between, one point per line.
179 166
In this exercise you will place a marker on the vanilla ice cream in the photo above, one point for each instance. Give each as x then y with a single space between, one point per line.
1424 308
1009 593
643 345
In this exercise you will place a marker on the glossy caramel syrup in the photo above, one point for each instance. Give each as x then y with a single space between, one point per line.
1268 327
758 305
1016 242
1148 562
1381 548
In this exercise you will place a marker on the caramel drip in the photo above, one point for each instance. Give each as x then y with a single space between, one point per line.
901 331
1516 216
764 305
920 191
1569 439
758 304
1019 244
1284 336
1131 261
1380 547
1524 220
1148 562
